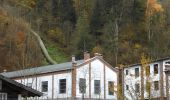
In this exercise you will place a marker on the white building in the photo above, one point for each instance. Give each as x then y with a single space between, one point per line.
90 78
132 88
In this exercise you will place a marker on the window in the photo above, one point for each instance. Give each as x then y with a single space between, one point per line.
127 72
137 87
62 86
148 86
111 87
155 68
136 72
44 86
167 62
156 85
0 84
97 86
29 84
3 96
82 85
147 70
127 87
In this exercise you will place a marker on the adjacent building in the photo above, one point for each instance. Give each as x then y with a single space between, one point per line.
90 78
154 81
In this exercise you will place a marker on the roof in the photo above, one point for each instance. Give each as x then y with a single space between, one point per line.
41 70
23 90
101 59
52 68
153 61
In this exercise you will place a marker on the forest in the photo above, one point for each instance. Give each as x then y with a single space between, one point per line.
121 30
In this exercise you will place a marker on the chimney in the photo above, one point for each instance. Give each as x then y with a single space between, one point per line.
4 71
86 55
73 58
98 55
74 79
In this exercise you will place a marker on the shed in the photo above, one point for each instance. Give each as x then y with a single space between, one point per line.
12 90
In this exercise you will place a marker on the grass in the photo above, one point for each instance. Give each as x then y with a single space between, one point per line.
55 52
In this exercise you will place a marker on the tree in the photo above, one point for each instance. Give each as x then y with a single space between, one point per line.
97 49
153 8
145 73
82 38
16 43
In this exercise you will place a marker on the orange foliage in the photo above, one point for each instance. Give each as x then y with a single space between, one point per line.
21 37
153 7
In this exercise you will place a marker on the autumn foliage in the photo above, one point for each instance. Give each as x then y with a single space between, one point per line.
21 37
153 7
120 29
18 49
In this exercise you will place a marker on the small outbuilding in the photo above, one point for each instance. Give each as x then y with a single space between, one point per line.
12 90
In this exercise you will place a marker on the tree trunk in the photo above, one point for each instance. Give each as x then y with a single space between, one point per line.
116 40
142 82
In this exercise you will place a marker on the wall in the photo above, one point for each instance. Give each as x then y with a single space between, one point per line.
97 73
111 76
164 78
130 80
53 88
66 76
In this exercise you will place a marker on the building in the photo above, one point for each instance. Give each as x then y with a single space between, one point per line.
152 85
90 78
12 90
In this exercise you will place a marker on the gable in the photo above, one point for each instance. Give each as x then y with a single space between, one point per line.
97 61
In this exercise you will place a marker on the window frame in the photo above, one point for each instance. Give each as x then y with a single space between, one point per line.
0 84
111 91
97 88
3 96
82 89
42 86
167 62
147 73
127 87
136 74
156 85
148 85
137 87
156 69
127 71
62 90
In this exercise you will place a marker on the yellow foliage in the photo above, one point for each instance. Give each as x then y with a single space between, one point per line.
97 49
138 46
144 60
27 3
153 7
77 5
119 92
148 88
121 65
145 64
3 17
57 35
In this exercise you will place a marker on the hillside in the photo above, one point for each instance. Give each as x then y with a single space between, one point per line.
122 30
